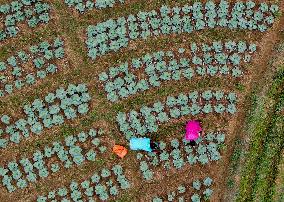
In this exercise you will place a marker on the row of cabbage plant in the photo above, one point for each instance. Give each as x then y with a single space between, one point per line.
16 72
114 34
86 5
148 118
104 185
32 12
53 110
197 191
215 59
178 153
74 150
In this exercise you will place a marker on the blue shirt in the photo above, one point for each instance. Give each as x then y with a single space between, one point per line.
140 144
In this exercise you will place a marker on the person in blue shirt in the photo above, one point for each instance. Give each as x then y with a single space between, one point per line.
145 144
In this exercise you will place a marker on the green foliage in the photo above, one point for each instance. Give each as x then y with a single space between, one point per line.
117 170
202 153
40 159
62 191
105 173
207 181
95 178
113 191
51 195
220 108
91 155
83 6
207 95
220 138
171 196
144 121
33 13
175 113
55 167
148 175
103 38
203 159
122 81
30 124
41 199
143 166
196 185
157 199
5 119
181 189
175 143
180 194
207 109
91 186
21 184
40 55
265 127
195 198
208 192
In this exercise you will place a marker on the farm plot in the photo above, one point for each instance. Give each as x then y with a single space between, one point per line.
214 59
202 187
179 154
59 154
191 66
30 12
86 5
17 71
106 182
148 119
113 35
53 110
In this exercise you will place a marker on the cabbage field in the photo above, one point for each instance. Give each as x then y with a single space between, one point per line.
80 76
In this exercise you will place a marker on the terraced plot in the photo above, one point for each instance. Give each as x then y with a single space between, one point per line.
79 76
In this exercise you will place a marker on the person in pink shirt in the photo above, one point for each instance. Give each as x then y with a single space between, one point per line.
193 131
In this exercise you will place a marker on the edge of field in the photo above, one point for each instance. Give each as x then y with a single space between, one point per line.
255 162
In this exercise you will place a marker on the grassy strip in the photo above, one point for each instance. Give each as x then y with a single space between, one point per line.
234 161
266 127
267 168
259 122
278 189
239 147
